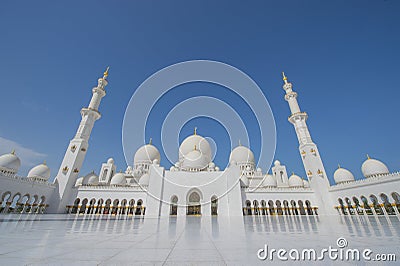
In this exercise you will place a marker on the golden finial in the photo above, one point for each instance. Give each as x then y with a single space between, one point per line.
338 166
195 130
44 162
240 143
368 157
105 75
284 77
292 173
13 152
151 141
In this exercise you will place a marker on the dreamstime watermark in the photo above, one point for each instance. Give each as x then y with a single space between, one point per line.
338 253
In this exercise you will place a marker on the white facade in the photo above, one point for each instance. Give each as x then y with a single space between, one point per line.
195 185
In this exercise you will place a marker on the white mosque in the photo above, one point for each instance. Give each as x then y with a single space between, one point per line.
195 185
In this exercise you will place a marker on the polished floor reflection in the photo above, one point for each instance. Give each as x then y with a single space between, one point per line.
195 240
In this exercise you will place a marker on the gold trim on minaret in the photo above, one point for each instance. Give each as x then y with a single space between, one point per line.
284 77
105 74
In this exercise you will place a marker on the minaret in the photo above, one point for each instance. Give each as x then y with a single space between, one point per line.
308 149
76 152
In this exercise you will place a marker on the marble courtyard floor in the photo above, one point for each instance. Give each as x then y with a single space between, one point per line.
96 240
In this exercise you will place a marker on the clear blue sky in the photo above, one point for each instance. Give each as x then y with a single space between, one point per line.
342 57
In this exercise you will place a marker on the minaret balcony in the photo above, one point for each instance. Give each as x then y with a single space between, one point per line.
298 116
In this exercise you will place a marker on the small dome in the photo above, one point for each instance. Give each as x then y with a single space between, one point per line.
295 181
342 175
195 140
373 167
110 161
118 179
10 161
306 183
269 181
277 163
195 160
216 168
91 179
211 165
241 154
146 154
79 182
144 180
41 171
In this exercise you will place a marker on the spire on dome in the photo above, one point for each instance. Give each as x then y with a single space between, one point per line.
151 141
338 166
368 157
13 152
105 74
240 143
284 77
195 131
44 162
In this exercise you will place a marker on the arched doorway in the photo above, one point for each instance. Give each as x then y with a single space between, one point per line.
279 207
248 207
386 204
91 206
123 206
301 208
174 206
107 207
131 207
14 203
193 206
139 207
214 205
99 206
83 206
75 207
308 207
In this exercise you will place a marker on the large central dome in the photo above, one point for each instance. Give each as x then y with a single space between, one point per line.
193 141
194 153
